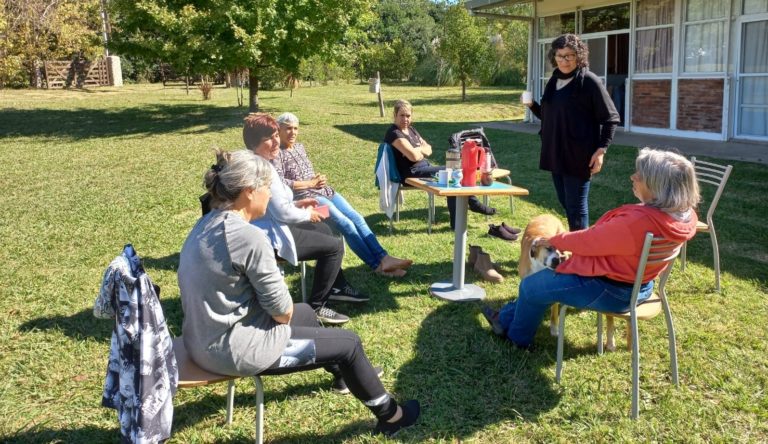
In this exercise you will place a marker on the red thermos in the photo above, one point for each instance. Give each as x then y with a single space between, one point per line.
472 158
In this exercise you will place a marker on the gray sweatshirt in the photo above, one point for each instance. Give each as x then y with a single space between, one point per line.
230 288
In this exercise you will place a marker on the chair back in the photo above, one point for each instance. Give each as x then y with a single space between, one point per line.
386 154
715 175
656 250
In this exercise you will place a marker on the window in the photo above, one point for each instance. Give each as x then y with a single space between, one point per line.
755 6
705 27
610 18
654 36
654 51
754 56
655 12
555 25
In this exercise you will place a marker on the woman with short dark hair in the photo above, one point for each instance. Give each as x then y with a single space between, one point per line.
296 229
578 120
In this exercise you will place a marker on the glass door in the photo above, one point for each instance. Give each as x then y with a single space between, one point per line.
752 96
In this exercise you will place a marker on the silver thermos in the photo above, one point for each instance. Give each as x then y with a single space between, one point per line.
453 159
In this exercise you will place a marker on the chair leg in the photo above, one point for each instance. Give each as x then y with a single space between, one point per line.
230 400
716 255
560 335
683 255
635 413
259 409
398 198
303 281
599 333
672 341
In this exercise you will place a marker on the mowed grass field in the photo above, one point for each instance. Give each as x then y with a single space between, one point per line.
84 172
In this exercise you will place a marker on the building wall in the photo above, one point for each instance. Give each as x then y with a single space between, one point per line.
549 7
650 103
700 105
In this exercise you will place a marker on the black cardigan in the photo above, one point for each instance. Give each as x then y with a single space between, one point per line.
575 121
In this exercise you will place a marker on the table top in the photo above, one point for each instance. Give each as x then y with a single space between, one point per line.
495 189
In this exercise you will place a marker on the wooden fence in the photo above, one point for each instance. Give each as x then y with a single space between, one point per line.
62 74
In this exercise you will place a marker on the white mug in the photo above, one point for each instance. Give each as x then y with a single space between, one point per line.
527 97
443 177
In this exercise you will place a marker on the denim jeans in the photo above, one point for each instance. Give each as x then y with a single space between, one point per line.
354 229
573 194
522 317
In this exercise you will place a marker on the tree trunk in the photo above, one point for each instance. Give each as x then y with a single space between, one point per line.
186 82
463 90
253 91
35 75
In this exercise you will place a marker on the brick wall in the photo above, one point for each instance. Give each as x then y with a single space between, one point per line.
651 103
700 105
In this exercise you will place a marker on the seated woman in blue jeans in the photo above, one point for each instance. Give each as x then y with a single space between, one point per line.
604 258
297 172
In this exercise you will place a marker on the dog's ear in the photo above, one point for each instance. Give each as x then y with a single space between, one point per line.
534 246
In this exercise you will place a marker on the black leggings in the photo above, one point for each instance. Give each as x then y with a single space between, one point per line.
338 351
316 241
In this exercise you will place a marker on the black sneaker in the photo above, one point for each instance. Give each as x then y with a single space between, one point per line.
411 412
328 316
492 316
347 293
339 386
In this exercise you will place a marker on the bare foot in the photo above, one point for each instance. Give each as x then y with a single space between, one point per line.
391 263
396 273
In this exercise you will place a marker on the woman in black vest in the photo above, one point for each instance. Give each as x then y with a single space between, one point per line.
578 121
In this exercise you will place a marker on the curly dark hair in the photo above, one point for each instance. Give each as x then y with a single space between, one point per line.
570 41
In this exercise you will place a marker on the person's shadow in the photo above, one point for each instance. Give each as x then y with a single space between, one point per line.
466 378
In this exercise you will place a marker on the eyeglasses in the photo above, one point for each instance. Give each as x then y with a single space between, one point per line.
566 57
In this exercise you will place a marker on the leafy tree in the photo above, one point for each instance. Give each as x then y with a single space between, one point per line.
393 61
464 46
235 34
32 31
410 22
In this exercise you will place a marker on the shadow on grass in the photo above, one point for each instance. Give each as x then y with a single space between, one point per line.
169 262
83 325
82 123
85 434
466 378
79 326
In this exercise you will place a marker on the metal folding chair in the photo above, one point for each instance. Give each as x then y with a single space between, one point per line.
656 250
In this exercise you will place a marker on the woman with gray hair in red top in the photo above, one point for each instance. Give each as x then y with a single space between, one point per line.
604 258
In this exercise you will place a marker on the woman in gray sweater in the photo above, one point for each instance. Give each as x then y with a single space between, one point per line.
239 318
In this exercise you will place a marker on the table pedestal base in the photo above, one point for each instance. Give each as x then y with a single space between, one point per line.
446 290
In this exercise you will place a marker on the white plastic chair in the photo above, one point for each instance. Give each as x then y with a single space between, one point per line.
716 175
656 250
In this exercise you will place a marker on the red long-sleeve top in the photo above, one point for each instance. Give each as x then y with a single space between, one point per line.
612 246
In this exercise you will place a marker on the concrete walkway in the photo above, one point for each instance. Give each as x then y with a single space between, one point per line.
756 152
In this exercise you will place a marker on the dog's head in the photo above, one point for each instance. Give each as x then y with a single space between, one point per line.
544 256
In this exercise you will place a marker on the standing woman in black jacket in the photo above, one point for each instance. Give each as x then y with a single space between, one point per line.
578 121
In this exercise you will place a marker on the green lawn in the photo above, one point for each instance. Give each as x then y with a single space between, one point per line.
86 171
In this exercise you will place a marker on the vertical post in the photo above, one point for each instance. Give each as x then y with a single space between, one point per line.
381 100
